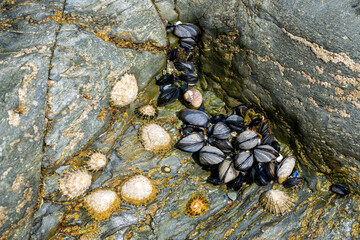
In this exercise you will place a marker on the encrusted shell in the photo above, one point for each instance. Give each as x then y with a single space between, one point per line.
125 91
276 202
96 161
155 138
74 183
101 203
197 206
194 98
146 112
286 167
138 190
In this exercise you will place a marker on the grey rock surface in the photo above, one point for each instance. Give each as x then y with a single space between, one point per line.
298 61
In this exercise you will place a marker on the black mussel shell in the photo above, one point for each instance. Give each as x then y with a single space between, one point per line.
165 80
187 131
165 87
261 178
202 107
210 155
186 31
241 109
173 54
265 153
223 145
183 88
267 139
248 140
221 131
244 161
217 118
170 28
264 129
291 182
227 171
189 41
168 96
276 145
235 122
214 177
340 189
196 28
184 66
192 142
189 77
194 117
251 175
255 122
188 48
237 183
270 170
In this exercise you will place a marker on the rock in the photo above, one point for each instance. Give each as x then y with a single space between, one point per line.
167 9
299 63
26 48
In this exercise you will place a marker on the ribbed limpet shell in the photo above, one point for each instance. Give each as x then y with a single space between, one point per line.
96 161
124 91
74 183
276 202
101 203
197 206
155 138
138 190
146 112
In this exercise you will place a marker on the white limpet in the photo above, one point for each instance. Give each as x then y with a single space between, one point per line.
276 202
74 183
155 138
97 161
101 203
125 91
138 190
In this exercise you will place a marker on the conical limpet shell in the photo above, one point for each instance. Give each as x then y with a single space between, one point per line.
138 190
74 183
276 202
96 161
101 203
155 138
146 112
197 206
124 91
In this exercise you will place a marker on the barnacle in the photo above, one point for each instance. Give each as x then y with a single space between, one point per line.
146 112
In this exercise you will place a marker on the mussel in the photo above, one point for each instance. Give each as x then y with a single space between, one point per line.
292 182
285 168
221 131
190 78
186 46
237 183
244 161
265 153
223 145
248 139
227 171
168 96
235 122
267 139
173 54
210 155
192 142
186 30
194 117
184 66
340 189
165 80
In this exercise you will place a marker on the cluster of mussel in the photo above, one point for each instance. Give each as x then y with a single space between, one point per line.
237 149
180 75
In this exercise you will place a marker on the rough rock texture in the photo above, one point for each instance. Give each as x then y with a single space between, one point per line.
59 61
299 62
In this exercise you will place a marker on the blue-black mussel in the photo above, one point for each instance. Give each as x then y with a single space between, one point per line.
339 189
184 66
192 142
194 117
168 96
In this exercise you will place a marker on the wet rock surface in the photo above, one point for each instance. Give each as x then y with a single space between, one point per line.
57 76
298 62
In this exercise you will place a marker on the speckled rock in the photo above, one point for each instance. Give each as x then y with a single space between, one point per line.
297 61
